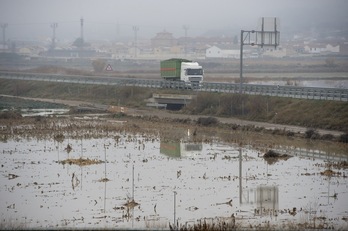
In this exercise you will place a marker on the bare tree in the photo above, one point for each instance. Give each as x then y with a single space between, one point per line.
99 65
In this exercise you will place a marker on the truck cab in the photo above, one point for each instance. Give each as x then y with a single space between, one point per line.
191 73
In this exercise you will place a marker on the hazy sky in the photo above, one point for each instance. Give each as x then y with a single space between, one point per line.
109 19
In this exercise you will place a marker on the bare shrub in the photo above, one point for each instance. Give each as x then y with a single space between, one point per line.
232 104
330 62
207 121
327 137
10 115
99 65
311 133
205 103
344 138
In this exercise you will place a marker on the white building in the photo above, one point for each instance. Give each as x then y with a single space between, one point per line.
321 48
274 52
216 52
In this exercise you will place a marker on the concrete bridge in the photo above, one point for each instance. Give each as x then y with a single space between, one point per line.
170 101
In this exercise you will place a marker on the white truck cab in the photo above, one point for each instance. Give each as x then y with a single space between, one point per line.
191 73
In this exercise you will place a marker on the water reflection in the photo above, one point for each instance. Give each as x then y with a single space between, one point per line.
310 153
264 198
43 112
180 149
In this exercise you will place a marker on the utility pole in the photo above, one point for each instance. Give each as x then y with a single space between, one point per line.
185 27
240 176
81 36
175 210
54 26
133 183
135 29
4 26
241 62
264 37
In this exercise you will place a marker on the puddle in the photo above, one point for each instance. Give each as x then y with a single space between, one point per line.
43 112
141 182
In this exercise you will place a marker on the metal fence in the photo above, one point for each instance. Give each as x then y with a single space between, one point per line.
338 94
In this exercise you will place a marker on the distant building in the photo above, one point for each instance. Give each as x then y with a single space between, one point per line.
74 53
163 39
217 52
278 52
321 48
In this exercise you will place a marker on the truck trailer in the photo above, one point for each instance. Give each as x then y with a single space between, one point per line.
187 71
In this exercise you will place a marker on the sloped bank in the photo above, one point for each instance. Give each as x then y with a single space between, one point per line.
315 114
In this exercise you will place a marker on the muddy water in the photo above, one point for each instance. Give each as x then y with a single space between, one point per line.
43 112
169 180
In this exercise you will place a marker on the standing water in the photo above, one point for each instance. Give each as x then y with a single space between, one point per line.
90 183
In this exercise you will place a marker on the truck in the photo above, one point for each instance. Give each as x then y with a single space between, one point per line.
186 71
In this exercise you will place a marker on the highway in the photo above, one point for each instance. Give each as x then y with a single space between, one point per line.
337 94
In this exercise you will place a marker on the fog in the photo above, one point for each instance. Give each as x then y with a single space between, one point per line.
115 19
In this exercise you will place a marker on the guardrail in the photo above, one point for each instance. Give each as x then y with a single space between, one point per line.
338 94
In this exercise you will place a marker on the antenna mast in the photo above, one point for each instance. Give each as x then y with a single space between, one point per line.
54 26
135 29
81 36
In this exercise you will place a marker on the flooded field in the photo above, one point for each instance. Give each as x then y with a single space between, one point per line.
306 83
322 79
125 181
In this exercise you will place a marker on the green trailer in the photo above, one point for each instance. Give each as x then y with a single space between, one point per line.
171 68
